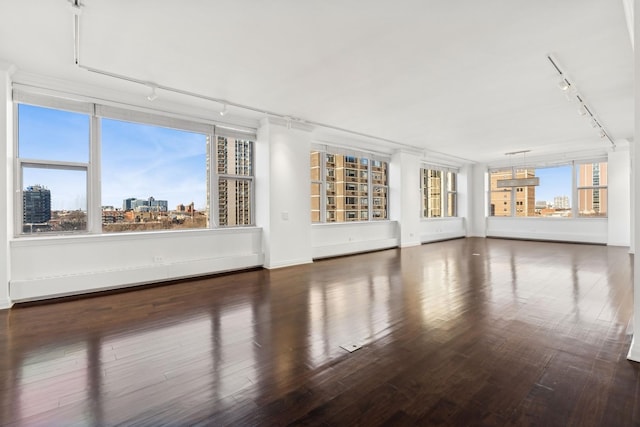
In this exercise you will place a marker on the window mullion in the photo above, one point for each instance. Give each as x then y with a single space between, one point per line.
94 190
324 190
370 189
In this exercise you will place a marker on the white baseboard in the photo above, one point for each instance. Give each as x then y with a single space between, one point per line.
289 263
353 248
66 285
634 352
5 303
436 237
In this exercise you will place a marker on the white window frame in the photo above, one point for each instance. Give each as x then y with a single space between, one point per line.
365 158
96 110
214 215
444 191
575 165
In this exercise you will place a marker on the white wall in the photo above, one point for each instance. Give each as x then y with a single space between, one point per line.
405 202
619 189
584 230
283 192
334 239
432 230
48 267
634 349
477 196
6 205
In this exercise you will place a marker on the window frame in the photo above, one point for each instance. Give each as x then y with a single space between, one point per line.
445 173
92 168
593 187
20 164
357 161
215 178
575 165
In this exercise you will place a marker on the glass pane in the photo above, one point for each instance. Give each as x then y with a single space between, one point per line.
48 134
592 202
315 166
379 200
315 202
234 156
451 204
500 203
553 195
54 200
451 181
592 174
433 195
234 202
153 178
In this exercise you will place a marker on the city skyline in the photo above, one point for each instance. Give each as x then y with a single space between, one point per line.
138 160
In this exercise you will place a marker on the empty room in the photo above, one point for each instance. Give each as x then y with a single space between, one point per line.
319 213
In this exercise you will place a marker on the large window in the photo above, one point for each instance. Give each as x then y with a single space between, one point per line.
53 165
439 192
102 169
347 187
155 176
558 187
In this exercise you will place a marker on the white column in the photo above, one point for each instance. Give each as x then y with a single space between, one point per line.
405 199
477 201
6 180
632 192
634 350
619 189
283 192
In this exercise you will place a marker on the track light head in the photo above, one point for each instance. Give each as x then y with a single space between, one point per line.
152 95
582 110
563 84
224 110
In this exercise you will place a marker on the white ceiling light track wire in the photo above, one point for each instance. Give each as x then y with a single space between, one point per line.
288 120
572 94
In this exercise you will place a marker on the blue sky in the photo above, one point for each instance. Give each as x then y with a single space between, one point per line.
137 160
554 182
143 160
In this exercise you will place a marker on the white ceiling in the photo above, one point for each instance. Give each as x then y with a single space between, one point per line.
468 78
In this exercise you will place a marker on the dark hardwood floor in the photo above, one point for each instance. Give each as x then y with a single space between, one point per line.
465 332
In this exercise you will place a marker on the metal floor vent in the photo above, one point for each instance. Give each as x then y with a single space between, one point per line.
352 347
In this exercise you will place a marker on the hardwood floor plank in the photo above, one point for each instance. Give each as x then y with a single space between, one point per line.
464 332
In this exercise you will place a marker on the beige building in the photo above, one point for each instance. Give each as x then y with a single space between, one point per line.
502 198
347 188
592 200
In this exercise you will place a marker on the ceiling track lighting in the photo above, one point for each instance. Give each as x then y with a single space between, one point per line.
571 92
77 5
224 110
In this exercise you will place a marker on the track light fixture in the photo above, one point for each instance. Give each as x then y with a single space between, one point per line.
572 95
152 95
224 110
563 84
582 110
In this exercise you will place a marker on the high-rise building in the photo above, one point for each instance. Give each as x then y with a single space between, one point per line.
561 202
501 198
234 157
347 187
36 202
149 205
592 191
432 200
